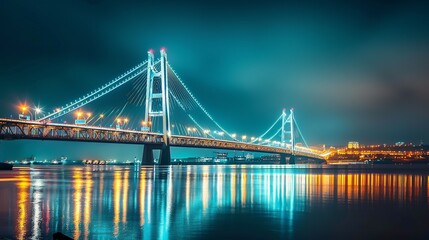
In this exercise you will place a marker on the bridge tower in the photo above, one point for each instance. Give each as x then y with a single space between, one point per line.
284 135
292 138
152 73
284 122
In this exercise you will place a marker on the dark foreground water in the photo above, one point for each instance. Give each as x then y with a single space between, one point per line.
215 202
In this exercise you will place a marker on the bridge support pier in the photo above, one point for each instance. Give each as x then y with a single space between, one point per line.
292 159
147 158
164 156
283 158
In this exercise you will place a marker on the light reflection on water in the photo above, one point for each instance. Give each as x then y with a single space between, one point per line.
212 202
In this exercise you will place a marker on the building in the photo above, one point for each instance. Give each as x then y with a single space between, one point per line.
353 145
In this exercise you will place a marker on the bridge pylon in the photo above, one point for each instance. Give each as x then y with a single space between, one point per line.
284 135
164 112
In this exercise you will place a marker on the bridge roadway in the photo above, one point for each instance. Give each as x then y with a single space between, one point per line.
13 129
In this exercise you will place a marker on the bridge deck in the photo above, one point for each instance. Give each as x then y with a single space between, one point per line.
11 129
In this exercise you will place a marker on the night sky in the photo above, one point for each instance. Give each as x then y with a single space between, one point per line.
352 70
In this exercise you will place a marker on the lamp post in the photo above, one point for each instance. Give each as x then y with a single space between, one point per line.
125 122
118 123
79 114
206 132
37 110
23 109
221 134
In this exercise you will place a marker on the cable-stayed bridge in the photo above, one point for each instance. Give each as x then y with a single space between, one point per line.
155 108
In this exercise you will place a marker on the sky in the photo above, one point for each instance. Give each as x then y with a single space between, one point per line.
352 70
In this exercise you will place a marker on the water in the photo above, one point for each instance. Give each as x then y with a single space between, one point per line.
215 202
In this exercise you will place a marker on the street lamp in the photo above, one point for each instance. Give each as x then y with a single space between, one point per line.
24 109
79 114
206 132
243 138
37 110
221 134
118 123
234 135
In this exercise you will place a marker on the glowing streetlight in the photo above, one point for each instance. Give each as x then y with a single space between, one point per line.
206 132
243 138
79 114
234 135
23 108
101 118
37 110
118 123
252 139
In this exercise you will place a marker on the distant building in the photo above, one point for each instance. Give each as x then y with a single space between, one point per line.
399 144
353 145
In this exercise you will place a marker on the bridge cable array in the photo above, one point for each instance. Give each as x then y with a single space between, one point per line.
181 98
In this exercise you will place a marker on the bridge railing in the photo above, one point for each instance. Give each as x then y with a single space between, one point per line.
24 129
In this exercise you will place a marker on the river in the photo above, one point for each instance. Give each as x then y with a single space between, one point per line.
215 202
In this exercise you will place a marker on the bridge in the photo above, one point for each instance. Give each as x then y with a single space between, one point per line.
173 117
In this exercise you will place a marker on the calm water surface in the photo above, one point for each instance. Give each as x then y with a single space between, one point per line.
215 202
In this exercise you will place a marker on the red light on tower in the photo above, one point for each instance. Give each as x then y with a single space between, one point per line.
150 51
163 49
